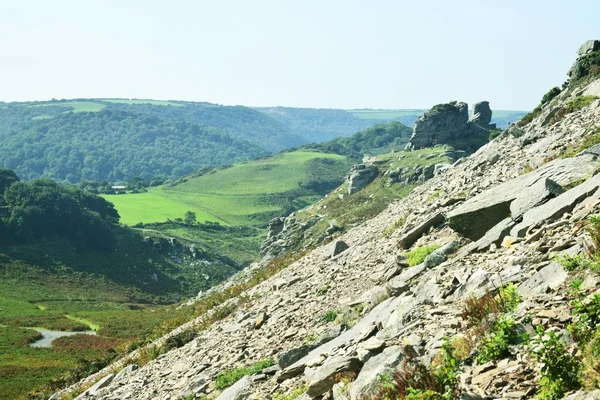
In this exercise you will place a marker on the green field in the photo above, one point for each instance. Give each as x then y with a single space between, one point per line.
244 194
154 206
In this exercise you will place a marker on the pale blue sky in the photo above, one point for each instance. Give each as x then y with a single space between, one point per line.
341 54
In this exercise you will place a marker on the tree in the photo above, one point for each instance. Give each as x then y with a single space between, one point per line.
7 178
190 218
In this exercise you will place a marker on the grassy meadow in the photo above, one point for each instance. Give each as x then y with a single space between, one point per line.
154 206
247 194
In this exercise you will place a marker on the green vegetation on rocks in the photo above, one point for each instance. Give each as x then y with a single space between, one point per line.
228 378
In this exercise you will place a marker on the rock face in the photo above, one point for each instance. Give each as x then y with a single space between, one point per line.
482 115
586 48
449 124
360 176
481 213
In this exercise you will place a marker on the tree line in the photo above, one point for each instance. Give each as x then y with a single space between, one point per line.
42 208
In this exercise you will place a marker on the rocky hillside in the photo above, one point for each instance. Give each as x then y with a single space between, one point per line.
481 283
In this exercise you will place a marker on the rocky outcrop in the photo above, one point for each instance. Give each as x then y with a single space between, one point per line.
449 123
360 176
283 234
481 213
586 48
482 115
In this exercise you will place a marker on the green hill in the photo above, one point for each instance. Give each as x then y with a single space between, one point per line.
378 139
251 193
248 193
317 125
116 145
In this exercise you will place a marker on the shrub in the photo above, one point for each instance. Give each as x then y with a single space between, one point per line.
588 65
495 345
147 354
509 298
228 378
560 370
399 223
572 263
590 376
550 95
178 340
415 381
476 311
323 289
575 104
329 316
417 256
494 133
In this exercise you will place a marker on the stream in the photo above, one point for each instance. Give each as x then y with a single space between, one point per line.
49 336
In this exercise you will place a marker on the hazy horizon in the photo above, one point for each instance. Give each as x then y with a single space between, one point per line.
350 55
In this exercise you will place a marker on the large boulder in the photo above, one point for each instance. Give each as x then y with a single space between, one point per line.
475 217
449 124
368 380
360 176
535 195
321 380
482 114
556 207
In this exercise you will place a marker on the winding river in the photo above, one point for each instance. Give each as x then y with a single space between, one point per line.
49 336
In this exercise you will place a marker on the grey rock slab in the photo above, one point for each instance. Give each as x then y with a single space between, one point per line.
291 356
377 316
360 176
320 380
551 276
124 372
415 233
556 207
476 216
581 395
368 380
338 247
239 390
534 195
101 384
493 236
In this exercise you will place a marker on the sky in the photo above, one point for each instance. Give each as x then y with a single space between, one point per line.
305 53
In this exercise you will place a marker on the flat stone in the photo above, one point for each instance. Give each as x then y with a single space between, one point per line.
479 214
239 390
533 196
549 277
339 247
493 236
556 207
321 381
368 380
415 233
